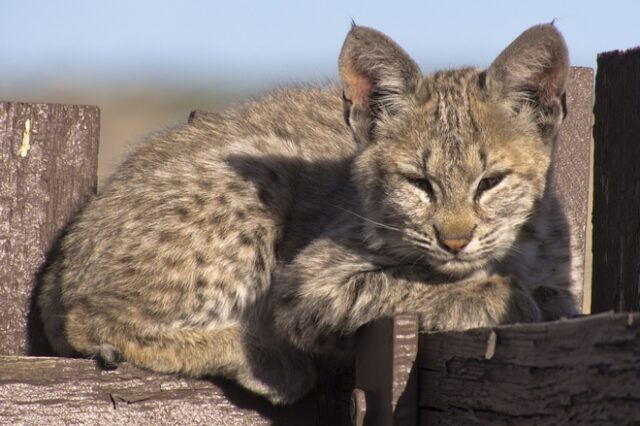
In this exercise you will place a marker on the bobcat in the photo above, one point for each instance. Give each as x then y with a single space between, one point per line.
246 243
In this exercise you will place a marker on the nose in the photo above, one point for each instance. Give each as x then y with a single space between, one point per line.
454 242
454 245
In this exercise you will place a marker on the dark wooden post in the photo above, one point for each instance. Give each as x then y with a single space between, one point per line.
386 386
616 201
48 161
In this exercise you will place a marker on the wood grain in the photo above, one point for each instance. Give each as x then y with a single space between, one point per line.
570 172
616 198
48 161
583 371
63 391
385 370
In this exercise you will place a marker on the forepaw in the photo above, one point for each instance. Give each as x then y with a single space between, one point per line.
555 303
484 303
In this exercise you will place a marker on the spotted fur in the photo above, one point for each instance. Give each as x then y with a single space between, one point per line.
244 243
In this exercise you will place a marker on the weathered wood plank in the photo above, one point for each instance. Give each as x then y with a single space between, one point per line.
570 173
62 391
385 370
582 371
616 200
48 161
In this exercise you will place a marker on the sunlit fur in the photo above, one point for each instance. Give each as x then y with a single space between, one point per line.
454 138
243 243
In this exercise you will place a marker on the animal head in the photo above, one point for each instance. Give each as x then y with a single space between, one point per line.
452 164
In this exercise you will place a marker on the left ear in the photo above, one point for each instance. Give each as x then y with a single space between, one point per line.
378 79
532 73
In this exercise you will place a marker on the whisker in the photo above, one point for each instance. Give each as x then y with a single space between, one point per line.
418 236
429 250
413 237
418 259
403 258
381 225
420 244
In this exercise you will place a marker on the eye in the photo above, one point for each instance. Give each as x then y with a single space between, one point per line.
488 183
423 184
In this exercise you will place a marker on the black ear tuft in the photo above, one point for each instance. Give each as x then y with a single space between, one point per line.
377 77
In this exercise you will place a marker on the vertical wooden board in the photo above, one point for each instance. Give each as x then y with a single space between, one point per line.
571 167
373 369
404 385
48 160
616 203
386 372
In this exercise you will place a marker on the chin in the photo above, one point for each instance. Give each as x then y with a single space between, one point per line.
459 268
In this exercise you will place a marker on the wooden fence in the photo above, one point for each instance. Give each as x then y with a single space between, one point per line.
579 371
616 200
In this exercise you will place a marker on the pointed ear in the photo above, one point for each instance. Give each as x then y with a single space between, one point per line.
531 73
378 78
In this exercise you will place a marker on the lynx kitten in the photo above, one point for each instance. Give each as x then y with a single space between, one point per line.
243 245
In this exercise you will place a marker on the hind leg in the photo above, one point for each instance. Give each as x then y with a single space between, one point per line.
284 373
258 362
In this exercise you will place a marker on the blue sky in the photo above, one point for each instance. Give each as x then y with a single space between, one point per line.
267 42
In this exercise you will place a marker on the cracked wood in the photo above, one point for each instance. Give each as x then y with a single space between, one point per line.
61 391
581 371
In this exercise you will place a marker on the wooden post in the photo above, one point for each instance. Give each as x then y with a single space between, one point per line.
386 387
571 166
48 161
616 203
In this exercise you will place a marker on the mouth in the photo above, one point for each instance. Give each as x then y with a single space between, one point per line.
456 266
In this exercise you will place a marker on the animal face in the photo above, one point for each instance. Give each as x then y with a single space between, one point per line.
453 163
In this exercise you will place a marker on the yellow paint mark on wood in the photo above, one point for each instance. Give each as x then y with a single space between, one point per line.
26 134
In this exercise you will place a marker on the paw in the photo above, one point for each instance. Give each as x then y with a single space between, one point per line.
276 395
555 303
485 303
281 374
519 305
108 356
282 388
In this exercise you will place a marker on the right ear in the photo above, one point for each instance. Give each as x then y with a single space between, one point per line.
378 79
531 73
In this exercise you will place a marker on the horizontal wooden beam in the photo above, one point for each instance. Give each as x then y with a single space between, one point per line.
582 371
62 391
